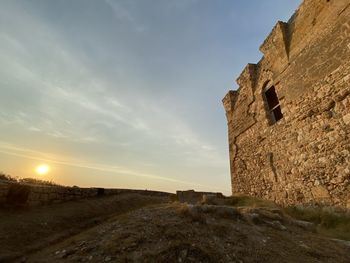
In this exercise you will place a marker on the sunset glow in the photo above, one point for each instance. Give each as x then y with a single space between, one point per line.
125 94
42 169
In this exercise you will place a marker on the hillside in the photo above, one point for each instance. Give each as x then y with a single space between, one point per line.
24 230
140 228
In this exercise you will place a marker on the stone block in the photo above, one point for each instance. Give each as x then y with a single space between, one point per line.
320 192
346 118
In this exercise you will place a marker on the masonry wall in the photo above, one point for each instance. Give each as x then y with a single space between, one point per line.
36 195
304 157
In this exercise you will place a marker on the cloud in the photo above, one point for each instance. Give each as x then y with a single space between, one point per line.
9 149
52 87
75 88
182 4
122 14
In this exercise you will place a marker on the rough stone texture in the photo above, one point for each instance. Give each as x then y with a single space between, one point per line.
305 156
35 195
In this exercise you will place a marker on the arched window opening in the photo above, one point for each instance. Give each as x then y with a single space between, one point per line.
273 104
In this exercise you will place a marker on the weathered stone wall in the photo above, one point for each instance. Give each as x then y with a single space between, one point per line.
35 195
305 156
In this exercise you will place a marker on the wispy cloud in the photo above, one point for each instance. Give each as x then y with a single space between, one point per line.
77 89
9 149
122 14
127 82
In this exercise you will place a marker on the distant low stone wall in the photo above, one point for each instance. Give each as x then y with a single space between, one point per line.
12 193
193 197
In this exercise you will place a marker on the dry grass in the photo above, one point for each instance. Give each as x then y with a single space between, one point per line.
182 209
37 182
329 221
191 212
249 201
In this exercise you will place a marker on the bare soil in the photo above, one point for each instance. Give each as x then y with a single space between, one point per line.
26 230
174 232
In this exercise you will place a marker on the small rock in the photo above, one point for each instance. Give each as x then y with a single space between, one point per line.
278 225
303 245
304 224
252 218
107 259
268 214
344 242
63 254
82 243
184 253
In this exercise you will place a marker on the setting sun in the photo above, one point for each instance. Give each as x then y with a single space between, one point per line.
42 169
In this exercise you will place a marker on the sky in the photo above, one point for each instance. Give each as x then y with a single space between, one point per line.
125 93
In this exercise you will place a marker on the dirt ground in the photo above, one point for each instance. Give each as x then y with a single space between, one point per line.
174 232
26 230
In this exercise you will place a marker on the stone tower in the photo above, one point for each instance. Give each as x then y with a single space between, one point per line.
289 120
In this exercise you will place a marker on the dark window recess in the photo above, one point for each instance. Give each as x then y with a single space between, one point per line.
273 104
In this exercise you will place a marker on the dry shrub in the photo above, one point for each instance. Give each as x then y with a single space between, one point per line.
37 182
183 209
191 211
7 178
11 179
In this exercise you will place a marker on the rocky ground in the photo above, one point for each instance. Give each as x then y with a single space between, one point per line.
175 232
25 230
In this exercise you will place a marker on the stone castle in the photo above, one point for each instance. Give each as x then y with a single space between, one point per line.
289 120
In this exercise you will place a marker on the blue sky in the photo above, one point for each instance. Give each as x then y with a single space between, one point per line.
118 93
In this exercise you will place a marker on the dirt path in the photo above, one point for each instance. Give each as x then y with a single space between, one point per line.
176 233
23 231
